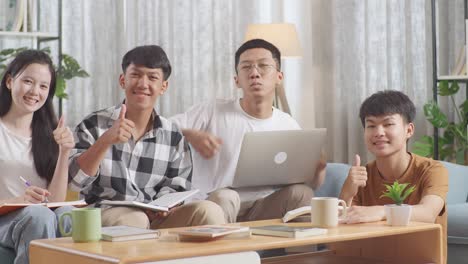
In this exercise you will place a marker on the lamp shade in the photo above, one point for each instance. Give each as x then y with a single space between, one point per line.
283 36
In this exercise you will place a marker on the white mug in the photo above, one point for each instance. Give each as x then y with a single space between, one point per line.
324 211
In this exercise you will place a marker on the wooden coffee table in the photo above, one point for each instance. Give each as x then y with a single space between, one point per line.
419 242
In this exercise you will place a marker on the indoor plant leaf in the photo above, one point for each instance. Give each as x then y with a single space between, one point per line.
60 88
464 108
460 156
435 115
407 192
447 88
424 146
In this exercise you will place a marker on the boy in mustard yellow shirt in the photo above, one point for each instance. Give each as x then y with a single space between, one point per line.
387 118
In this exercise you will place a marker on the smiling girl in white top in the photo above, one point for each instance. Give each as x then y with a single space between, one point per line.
32 149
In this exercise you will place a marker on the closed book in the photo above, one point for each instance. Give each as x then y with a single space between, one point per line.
163 203
288 231
211 231
125 233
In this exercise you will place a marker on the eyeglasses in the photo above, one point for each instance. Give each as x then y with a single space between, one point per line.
262 68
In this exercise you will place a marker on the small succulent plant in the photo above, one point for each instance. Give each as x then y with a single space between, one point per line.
398 192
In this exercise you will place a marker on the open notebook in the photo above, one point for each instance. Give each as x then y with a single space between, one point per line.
6 208
163 203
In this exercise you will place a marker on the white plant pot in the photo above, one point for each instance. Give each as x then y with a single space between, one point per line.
398 215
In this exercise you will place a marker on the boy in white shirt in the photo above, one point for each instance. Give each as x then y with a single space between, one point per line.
216 129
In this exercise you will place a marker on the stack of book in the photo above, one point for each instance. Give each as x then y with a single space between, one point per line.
288 231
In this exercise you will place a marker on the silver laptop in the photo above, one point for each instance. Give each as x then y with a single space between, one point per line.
279 157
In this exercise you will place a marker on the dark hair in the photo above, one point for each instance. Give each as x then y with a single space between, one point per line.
388 102
150 56
261 44
44 148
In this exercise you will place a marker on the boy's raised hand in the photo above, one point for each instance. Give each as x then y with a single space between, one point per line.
121 130
203 142
63 135
357 177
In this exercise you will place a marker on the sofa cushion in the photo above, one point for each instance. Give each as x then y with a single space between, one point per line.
458 183
457 222
7 256
336 174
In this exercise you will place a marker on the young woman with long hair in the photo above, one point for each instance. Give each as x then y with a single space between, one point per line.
34 151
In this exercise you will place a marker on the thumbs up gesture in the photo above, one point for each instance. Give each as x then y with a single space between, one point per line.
357 177
121 130
63 135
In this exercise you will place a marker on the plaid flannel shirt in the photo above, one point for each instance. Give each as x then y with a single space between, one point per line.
159 163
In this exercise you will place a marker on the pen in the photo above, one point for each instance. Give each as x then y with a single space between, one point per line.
25 181
28 185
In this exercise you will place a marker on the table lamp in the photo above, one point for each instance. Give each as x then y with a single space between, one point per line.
284 37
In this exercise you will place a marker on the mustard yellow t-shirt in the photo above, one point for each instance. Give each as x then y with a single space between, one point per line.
429 176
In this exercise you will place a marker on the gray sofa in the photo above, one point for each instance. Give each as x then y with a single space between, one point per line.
457 209
336 174
7 256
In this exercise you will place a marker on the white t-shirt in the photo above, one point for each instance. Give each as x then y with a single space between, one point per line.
227 120
16 160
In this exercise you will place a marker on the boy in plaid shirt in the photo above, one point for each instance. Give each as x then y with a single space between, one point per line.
128 152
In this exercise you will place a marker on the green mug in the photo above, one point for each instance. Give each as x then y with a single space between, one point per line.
86 224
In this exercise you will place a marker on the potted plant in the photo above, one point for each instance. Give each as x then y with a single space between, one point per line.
398 214
453 142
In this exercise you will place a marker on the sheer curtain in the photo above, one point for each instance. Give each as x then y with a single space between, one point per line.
359 48
200 38
351 49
